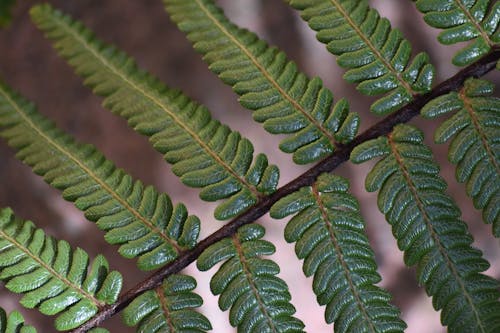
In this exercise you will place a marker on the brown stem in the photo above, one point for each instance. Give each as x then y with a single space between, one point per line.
383 127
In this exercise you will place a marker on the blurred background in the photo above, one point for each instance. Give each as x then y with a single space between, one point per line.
142 28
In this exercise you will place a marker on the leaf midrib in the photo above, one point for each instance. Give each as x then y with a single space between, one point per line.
372 47
268 76
163 107
89 172
435 237
340 255
471 19
479 130
52 272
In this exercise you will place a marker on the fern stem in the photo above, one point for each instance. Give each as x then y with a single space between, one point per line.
383 127
473 20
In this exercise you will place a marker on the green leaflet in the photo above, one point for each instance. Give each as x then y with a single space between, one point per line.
328 232
474 130
137 217
247 284
204 153
14 323
52 276
464 20
282 98
376 56
426 224
168 308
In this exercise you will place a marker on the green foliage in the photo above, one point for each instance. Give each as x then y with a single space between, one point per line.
5 11
282 98
475 146
376 56
464 20
51 275
326 227
204 153
426 224
329 234
168 308
247 284
142 221
14 323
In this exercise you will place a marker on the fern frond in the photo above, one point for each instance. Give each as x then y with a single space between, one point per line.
328 230
14 323
142 221
168 308
204 153
376 56
461 21
426 224
475 146
282 98
247 284
52 276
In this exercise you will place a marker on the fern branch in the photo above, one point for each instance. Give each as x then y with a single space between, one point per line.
51 275
383 127
284 99
474 145
426 224
142 221
376 56
328 232
476 20
204 153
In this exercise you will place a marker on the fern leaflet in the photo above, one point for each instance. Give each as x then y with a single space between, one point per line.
426 224
247 284
51 275
329 234
376 56
14 323
476 20
168 308
204 153
475 146
284 99
142 221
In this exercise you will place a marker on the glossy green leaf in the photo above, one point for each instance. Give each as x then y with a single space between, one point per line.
168 308
204 153
14 323
477 21
258 300
282 98
376 56
52 276
474 131
328 232
426 223
144 222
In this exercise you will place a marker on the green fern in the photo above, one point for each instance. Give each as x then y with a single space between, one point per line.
426 224
168 308
142 221
51 275
329 234
204 153
282 98
247 284
14 323
475 146
376 56
461 20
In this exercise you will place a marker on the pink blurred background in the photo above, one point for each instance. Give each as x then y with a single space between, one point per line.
142 29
